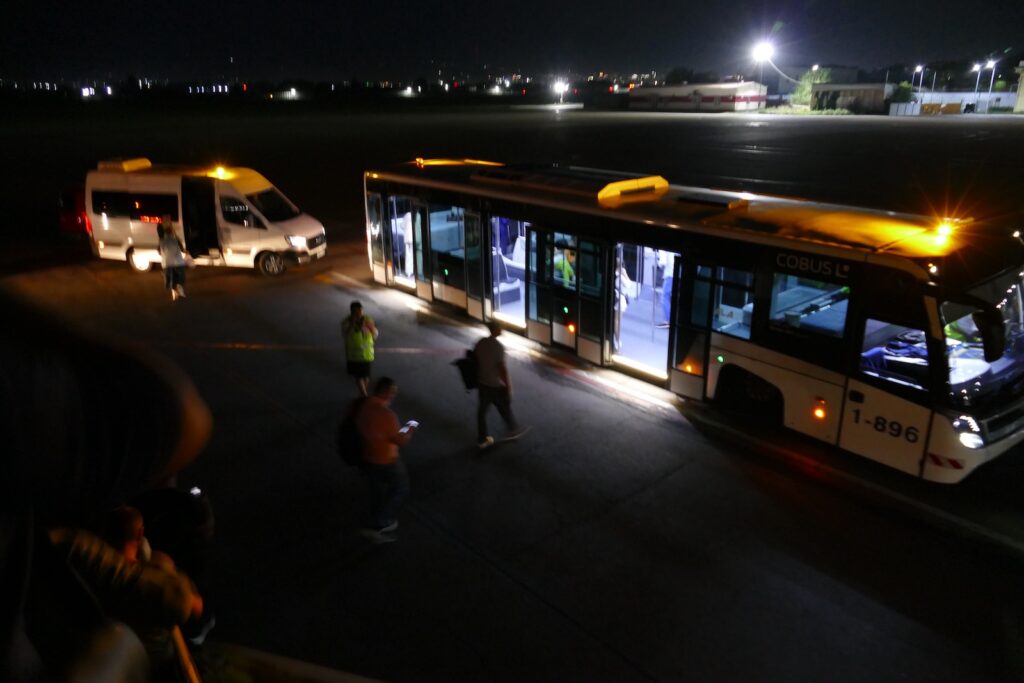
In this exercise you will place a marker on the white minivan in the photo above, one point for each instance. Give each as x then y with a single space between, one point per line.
224 216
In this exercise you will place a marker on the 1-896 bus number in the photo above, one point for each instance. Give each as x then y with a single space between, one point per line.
893 428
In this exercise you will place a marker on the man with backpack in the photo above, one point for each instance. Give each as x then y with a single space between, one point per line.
381 437
495 387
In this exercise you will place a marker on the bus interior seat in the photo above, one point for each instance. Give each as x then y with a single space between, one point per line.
507 286
516 265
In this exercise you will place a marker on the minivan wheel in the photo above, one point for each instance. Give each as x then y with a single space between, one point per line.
137 263
270 263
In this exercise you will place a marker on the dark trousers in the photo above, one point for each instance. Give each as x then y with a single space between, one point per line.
389 486
499 396
174 276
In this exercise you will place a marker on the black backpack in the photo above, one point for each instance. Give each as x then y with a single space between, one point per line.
467 369
349 440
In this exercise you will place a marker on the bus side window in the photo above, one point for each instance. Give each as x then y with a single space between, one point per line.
733 302
811 305
895 353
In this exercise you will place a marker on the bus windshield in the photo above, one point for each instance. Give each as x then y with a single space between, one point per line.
974 382
273 205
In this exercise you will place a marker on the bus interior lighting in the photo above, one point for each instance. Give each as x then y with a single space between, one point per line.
640 367
514 322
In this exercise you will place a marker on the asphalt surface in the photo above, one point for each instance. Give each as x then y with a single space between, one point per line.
614 542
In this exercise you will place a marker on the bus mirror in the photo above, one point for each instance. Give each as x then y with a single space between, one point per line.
993 335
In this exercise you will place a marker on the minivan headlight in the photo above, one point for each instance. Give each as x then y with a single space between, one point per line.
297 241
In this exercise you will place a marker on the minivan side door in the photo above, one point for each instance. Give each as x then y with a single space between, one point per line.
243 232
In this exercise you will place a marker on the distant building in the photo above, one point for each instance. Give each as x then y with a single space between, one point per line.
704 97
859 98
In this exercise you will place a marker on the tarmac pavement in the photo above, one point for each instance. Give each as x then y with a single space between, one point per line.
613 542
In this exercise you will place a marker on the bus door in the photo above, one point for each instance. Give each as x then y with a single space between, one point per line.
641 306
405 228
476 267
561 251
199 215
887 414
448 253
506 275
691 320
375 240
538 286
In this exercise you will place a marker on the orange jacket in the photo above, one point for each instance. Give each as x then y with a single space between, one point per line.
381 433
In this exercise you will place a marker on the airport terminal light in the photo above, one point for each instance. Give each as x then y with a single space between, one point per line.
560 87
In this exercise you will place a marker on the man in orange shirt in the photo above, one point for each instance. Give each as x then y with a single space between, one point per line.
385 471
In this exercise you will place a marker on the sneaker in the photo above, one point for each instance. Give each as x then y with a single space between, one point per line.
174 295
486 443
516 433
376 537
390 528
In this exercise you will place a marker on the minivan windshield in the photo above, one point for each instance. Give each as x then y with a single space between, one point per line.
273 205
974 382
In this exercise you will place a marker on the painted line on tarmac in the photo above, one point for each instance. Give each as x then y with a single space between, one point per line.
884 496
247 346
335 276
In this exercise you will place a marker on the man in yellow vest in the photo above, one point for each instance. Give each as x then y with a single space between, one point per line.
359 333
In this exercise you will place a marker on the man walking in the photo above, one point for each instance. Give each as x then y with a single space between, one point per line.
359 333
494 386
385 471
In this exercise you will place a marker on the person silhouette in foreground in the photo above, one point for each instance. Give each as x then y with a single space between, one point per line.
86 425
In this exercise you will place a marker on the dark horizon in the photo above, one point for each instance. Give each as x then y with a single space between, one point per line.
391 39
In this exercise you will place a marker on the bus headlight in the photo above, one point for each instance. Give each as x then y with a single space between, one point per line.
297 241
970 432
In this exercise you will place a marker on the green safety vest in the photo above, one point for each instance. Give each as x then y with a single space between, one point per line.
358 342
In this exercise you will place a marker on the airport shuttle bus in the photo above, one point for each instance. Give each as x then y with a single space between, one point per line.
223 216
897 337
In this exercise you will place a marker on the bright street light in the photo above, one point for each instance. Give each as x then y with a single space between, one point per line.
762 53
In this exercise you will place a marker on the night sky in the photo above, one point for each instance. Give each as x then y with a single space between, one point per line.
320 39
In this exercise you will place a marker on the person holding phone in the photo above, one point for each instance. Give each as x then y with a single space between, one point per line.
385 472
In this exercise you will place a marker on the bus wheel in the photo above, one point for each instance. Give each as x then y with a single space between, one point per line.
743 392
137 263
270 263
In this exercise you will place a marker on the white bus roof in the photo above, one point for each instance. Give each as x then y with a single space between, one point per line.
653 201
